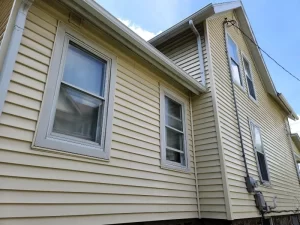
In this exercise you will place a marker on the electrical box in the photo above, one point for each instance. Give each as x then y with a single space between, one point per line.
251 184
260 202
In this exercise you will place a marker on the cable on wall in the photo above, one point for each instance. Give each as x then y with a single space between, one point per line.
232 22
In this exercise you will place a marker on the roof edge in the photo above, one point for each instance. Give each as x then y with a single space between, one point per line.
106 21
296 139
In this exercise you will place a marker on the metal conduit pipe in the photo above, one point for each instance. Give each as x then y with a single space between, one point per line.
200 55
234 99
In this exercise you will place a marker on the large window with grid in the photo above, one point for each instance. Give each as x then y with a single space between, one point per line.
173 131
77 107
259 153
234 61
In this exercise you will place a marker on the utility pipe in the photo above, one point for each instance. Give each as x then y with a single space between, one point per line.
234 99
200 54
12 50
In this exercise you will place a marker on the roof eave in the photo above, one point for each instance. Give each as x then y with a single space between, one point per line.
296 139
198 16
104 20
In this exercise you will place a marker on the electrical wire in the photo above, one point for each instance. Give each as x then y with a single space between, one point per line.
232 22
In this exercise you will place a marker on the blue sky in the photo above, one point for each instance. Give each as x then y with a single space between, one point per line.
275 24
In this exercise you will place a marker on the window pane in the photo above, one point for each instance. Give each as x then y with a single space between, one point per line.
174 122
174 139
251 88
263 166
77 114
247 69
257 139
235 72
84 70
232 50
173 108
175 156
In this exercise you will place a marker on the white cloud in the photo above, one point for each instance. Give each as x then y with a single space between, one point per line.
145 34
295 126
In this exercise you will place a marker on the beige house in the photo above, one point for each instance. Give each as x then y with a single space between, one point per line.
98 126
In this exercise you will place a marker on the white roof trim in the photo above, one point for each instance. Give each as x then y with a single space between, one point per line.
213 9
104 20
199 16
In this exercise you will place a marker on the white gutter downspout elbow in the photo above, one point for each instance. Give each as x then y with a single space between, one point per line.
200 54
12 50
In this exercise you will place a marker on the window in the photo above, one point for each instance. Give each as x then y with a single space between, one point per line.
234 61
76 114
249 78
173 131
260 154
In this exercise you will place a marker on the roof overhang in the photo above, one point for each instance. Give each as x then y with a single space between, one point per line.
213 9
199 16
296 139
105 21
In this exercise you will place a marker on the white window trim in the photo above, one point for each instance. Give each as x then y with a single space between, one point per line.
242 85
244 57
43 137
264 182
184 103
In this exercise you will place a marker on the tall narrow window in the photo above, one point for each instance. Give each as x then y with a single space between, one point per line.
173 133
260 154
249 78
76 114
234 61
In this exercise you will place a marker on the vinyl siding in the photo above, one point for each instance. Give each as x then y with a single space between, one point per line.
182 49
5 9
267 114
47 187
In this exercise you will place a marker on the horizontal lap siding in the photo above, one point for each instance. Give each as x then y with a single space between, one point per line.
182 49
44 187
5 9
270 118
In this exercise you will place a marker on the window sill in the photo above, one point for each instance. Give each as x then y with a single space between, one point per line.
240 87
176 168
67 155
253 100
265 184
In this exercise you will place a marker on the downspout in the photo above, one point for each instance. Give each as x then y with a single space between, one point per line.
200 54
194 158
234 100
12 50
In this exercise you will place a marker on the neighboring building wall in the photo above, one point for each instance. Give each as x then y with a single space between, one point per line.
182 49
46 187
5 9
284 180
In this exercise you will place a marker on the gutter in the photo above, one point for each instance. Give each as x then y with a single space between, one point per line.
292 114
200 54
12 50
105 21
